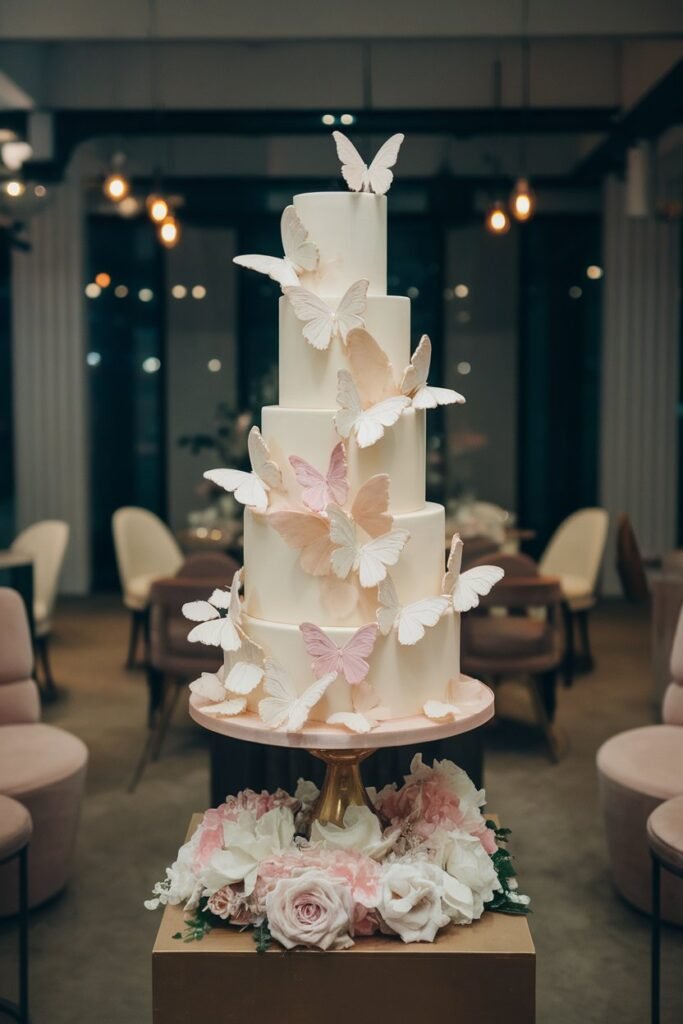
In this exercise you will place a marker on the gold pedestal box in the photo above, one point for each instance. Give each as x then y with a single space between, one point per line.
476 974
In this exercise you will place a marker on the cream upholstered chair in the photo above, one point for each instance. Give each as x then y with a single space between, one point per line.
46 542
41 767
574 554
146 551
637 771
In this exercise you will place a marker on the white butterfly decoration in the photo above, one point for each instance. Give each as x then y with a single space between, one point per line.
357 175
369 560
414 381
410 620
284 708
250 488
466 588
245 667
213 629
367 425
367 712
318 490
212 688
466 697
322 323
300 254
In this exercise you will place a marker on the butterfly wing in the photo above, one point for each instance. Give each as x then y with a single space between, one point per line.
209 686
369 508
355 652
216 633
308 533
261 462
200 611
428 397
370 366
343 537
337 482
315 494
372 422
246 668
315 314
229 708
379 176
275 708
273 267
473 584
416 373
439 710
353 167
235 606
348 400
301 252
389 606
354 721
350 310
415 617
299 712
453 565
246 487
324 652
374 557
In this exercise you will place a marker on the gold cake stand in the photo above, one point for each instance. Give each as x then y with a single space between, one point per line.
344 751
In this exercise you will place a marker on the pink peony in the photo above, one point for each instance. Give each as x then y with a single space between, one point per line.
230 904
211 826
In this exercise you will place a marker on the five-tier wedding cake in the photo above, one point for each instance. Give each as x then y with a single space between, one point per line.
347 618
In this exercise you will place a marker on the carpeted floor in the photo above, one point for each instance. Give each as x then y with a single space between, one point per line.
91 947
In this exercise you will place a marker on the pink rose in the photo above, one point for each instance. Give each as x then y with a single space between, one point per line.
230 904
311 910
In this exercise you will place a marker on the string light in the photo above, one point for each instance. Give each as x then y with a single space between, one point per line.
497 220
157 208
116 187
328 119
169 232
199 291
103 279
15 188
593 272
522 200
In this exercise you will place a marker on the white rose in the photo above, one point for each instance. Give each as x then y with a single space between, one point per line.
361 831
181 883
310 909
410 900
247 842
464 858
457 900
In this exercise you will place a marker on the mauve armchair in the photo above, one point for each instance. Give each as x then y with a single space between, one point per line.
637 771
41 767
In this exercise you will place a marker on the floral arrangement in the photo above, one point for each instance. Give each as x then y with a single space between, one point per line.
262 860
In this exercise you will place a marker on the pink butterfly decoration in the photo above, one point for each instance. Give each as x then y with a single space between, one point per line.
349 661
320 491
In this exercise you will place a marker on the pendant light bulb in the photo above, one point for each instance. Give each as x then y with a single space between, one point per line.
497 220
116 187
522 200
169 232
157 208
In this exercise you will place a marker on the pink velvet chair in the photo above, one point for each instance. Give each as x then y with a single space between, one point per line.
41 767
637 771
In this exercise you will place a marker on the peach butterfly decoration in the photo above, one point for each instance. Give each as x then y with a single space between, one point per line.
253 488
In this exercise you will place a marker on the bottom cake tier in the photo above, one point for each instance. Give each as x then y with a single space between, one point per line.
403 678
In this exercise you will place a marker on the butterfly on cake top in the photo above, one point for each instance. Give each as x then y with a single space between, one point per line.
341 529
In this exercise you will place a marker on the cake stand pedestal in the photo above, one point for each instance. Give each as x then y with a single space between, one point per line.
343 751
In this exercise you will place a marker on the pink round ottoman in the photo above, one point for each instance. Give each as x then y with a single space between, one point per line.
637 771
15 835
44 769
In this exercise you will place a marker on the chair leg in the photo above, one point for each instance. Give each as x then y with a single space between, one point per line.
569 663
541 687
155 686
165 719
136 623
587 662
156 700
50 688
656 944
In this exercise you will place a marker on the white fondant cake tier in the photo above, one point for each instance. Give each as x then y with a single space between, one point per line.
310 433
403 678
350 230
308 376
276 588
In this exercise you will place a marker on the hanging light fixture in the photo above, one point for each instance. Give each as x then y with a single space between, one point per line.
169 232
497 220
157 208
522 198
116 185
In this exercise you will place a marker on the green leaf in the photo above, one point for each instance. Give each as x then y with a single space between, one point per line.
262 938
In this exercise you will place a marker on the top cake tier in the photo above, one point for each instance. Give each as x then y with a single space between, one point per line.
350 230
